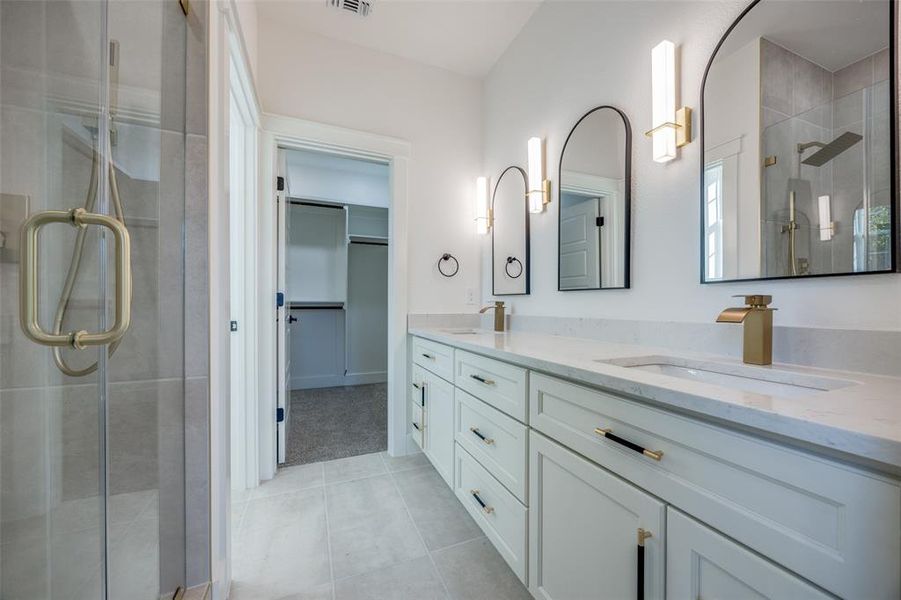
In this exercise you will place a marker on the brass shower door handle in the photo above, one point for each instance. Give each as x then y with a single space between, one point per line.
28 279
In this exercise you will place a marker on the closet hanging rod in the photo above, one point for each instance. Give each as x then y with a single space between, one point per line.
322 306
316 204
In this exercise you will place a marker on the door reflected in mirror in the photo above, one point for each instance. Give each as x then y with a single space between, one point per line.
797 143
510 234
595 203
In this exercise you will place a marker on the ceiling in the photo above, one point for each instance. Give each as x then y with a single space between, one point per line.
464 36
812 29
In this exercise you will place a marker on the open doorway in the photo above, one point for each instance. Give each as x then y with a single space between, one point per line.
335 263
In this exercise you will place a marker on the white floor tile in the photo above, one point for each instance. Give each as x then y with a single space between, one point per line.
355 467
290 479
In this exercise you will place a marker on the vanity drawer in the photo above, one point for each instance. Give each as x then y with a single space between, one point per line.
502 385
500 515
833 524
437 358
498 442
417 425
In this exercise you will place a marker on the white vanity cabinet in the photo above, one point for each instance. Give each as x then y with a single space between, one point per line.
432 405
584 530
816 517
439 425
701 563
562 476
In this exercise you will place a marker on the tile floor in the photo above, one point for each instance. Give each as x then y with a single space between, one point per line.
365 527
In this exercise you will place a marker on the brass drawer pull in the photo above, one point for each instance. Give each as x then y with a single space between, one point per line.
481 436
655 454
485 508
481 379
28 279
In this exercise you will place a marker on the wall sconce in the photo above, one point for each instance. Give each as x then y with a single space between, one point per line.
484 216
827 227
671 128
539 188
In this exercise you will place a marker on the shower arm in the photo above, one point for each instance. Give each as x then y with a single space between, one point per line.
808 145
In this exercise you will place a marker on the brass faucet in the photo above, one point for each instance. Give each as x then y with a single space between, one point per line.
498 315
758 327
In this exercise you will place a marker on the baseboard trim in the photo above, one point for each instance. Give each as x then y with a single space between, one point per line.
314 383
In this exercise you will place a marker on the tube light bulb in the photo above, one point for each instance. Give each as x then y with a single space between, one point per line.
825 212
482 217
663 100
536 175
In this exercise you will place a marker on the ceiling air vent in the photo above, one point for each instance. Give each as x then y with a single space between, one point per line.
358 7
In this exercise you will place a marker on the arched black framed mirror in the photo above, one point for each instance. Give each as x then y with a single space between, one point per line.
594 221
510 234
798 122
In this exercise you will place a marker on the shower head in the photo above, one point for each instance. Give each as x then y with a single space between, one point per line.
828 151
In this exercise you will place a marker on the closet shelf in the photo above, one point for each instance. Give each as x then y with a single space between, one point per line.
367 239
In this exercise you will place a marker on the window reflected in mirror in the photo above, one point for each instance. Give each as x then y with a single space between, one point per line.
797 143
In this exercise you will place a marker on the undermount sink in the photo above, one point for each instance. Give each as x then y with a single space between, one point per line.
466 331
759 380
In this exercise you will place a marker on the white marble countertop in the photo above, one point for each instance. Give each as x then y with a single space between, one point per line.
861 422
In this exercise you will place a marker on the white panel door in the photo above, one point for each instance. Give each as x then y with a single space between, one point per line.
701 563
584 527
579 244
283 374
439 423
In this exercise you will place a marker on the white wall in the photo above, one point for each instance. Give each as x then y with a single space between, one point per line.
575 55
366 315
316 261
438 112
314 176
247 17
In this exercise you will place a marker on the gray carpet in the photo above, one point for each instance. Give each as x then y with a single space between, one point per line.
330 423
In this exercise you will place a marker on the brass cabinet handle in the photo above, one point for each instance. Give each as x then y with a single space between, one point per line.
485 508
481 436
607 433
28 279
639 583
481 379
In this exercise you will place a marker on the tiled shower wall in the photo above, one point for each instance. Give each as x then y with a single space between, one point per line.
802 102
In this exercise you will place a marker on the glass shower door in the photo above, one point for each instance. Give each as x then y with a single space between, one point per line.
91 429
